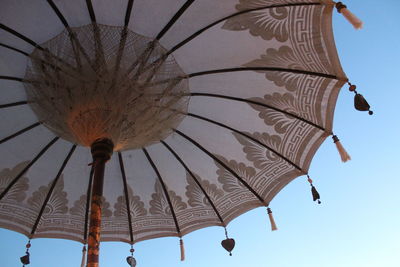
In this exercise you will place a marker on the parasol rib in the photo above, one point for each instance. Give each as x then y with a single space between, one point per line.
72 36
31 42
12 78
164 190
5 139
26 54
122 41
178 14
99 47
249 101
18 79
53 185
128 209
194 35
121 49
87 209
237 69
58 13
247 136
15 49
196 181
91 11
19 103
223 165
128 12
27 167
201 73
19 35
197 33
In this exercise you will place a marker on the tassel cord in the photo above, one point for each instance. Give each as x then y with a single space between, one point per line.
226 233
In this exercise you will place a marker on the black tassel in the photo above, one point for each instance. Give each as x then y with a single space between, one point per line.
25 259
314 192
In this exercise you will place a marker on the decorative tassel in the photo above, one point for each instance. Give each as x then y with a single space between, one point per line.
83 262
342 152
314 192
271 220
342 9
182 249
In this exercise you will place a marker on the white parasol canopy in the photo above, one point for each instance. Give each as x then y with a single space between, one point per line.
212 106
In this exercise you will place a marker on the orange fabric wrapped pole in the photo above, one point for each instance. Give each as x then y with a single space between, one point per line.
101 152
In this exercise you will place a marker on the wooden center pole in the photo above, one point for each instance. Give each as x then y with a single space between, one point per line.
102 150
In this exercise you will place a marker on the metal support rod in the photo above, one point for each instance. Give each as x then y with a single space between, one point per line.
101 152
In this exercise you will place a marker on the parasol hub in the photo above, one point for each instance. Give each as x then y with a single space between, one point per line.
85 87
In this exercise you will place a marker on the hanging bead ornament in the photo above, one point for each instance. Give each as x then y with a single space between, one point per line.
130 259
25 259
359 101
314 191
228 243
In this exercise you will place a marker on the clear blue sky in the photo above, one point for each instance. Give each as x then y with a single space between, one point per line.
358 223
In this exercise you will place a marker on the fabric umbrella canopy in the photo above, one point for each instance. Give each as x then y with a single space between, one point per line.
194 111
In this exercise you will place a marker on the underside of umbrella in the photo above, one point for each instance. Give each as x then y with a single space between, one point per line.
211 108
